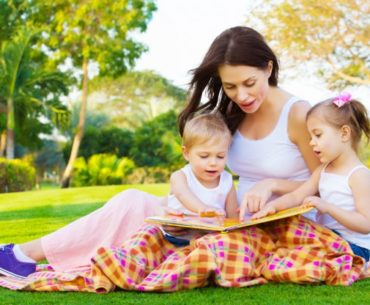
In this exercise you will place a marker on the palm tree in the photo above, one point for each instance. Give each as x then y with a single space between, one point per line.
25 82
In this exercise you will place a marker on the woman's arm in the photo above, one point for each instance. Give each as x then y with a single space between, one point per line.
231 204
359 220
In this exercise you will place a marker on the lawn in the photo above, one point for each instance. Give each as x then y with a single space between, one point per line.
32 214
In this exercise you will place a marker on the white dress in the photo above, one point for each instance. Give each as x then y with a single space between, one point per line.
212 197
274 156
335 189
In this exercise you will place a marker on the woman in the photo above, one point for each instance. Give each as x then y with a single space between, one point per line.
270 151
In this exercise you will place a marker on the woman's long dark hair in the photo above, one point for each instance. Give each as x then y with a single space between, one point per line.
235 46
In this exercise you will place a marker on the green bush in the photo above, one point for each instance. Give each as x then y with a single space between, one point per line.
142 175
16 175
101 169
157 143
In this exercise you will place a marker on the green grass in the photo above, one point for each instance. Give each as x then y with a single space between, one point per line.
32 214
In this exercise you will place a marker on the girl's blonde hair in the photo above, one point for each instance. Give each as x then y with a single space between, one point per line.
352 113
203 128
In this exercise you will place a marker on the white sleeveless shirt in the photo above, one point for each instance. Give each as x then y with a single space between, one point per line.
212 197
335 189
274 156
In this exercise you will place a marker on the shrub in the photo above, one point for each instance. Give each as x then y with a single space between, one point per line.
101 169
16 175
142 175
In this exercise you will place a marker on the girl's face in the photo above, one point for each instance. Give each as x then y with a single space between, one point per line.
245 85
327 141
208 160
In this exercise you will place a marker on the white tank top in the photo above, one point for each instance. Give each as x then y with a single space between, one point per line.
335 189
274 156
213 197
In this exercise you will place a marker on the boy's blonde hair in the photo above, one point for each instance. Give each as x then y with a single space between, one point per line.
203 128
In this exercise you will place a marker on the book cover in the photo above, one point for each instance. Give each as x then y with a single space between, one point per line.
220 223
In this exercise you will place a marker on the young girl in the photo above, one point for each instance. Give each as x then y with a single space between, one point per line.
336 126
206 141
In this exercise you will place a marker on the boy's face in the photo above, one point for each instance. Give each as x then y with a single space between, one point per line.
208 160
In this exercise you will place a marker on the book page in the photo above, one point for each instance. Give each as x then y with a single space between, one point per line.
220 223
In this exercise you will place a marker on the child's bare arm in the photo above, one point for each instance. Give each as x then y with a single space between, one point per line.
295 198
359 220
231 204
179 187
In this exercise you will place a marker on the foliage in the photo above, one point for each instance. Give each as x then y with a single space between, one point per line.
364 152
30 90
16 175
157 143
101 169
87 30
10 13
332 33
135 97
109 140
49 159
94 119
147 175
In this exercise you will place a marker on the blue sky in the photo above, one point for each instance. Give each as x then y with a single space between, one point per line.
181 31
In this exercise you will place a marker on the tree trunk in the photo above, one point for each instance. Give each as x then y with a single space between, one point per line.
10 130
2 143
80 128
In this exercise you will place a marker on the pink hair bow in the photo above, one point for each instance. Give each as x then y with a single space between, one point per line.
342 99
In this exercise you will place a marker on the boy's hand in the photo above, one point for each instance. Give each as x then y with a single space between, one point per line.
170 211
211 213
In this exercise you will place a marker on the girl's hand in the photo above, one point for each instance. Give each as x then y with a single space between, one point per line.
255 199
317 203
267 210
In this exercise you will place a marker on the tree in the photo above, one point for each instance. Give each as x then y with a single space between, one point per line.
108 140
135 97
28 88
95 31
333 34
157 143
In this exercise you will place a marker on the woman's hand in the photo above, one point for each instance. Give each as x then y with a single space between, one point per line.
267 210
255 199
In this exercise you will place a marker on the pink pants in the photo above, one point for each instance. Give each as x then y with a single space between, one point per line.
71 247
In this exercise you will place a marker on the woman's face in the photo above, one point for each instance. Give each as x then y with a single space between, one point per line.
245 85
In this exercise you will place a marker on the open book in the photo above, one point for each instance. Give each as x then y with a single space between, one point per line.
220 223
